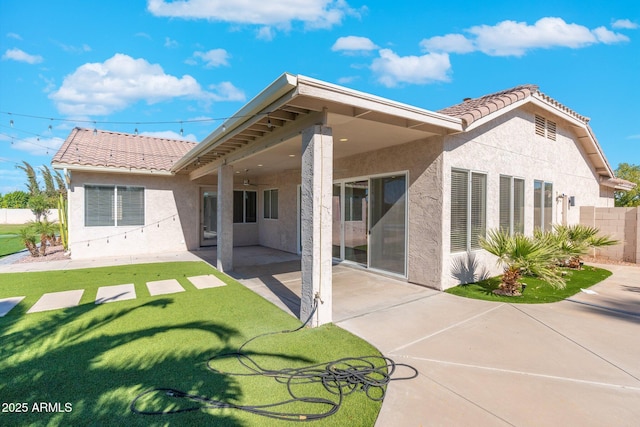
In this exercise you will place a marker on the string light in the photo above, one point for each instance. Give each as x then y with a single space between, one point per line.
108 238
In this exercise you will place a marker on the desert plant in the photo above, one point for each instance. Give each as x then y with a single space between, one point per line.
579 239
522 255
47 231
62 215
29 240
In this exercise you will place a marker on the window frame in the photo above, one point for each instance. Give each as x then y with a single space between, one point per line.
471 218
544 219
245 201
268 205
118 207
511 227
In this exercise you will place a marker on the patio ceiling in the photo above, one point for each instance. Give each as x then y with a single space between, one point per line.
265 136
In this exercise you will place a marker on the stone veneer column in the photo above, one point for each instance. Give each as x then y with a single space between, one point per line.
225 218
316 223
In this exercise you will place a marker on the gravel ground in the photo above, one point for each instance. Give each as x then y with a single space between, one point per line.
54 253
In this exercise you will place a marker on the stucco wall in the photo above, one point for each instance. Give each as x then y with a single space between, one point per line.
422 160
509 146
171 221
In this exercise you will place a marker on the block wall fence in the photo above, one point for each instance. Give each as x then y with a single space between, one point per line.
622 224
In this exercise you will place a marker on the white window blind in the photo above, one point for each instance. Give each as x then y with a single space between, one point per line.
113 206
512 204
468 209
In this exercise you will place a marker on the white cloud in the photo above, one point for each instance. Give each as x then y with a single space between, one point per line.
169 43
143 35
624 24
451 43
14 36
214 57
38 146
511 38
169 134
353 43
266 33
608 37
347 79
22 56
102 88
75 49
393 69
278 13
226 91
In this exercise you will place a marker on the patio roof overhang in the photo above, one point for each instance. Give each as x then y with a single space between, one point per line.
271 123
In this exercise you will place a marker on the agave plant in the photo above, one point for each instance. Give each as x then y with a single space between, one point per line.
523 255
579 239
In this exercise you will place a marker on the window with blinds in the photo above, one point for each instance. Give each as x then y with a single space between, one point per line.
542 205
511 204
113 205
468 209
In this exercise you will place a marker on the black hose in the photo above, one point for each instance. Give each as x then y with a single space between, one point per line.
370 374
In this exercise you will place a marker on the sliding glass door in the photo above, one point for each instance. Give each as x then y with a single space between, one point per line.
387 249
208 217
369 222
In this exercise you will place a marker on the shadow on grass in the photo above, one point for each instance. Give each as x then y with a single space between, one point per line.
98 358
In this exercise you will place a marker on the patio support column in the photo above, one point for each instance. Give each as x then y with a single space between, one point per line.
316 207
225 218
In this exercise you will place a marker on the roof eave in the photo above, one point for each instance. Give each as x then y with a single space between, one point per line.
276 90
110 169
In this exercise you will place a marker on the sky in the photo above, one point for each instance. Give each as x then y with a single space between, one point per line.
177 69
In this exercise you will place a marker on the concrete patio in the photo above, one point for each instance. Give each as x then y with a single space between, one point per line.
573 362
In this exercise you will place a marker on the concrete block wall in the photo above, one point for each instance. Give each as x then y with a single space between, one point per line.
22 216
622 224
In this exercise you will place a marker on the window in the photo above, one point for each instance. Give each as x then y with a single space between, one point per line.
512 204
244 206
542 205
271 204
113 205
468 209
545 128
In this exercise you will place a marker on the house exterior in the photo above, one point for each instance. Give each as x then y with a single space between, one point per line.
334 174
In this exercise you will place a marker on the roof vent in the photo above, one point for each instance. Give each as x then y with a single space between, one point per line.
466 99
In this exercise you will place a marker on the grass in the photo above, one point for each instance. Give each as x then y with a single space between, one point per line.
537 291
10 243
98 358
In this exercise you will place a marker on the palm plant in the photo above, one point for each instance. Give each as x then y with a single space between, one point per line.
47 231
579 239
522 255
29 240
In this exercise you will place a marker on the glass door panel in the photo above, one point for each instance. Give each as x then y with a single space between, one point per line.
356 224
209 218
387 241
337 222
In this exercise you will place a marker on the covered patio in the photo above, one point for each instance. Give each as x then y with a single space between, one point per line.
330 182
276 276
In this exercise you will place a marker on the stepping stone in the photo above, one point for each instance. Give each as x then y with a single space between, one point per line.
206 281
115 293
161 287
56 300
6 304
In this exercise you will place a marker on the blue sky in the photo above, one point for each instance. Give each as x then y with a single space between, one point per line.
71 63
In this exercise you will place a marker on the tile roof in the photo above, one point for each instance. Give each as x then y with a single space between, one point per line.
474 109
120 150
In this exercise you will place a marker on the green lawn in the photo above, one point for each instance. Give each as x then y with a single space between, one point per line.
537 291
10 243
98 358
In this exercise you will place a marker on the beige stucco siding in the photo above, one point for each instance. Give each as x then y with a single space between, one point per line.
170 223
508 145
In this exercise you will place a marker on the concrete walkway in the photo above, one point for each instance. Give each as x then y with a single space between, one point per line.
575 362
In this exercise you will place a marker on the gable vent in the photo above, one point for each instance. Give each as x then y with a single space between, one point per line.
540 125
551 130
545 128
